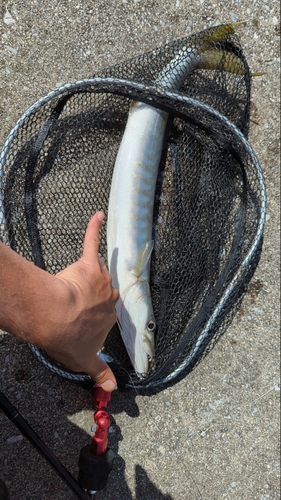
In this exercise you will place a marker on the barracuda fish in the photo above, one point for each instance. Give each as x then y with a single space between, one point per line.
130 211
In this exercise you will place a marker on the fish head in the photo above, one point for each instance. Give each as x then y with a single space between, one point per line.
137 325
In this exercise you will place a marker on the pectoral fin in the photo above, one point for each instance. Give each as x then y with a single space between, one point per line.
142 264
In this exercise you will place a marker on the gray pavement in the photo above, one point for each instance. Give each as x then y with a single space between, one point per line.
215 434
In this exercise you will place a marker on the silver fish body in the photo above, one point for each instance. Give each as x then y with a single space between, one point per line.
129 228
130 211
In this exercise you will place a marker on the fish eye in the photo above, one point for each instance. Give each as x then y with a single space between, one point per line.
151 326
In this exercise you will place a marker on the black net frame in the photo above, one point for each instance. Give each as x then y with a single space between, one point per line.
55 171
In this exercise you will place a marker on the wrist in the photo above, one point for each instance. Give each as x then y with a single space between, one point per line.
51 327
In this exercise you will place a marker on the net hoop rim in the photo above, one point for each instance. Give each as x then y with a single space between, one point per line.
128 88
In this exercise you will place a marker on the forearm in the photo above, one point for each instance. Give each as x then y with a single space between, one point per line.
31 300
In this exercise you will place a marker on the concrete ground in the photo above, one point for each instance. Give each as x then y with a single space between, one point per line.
215 434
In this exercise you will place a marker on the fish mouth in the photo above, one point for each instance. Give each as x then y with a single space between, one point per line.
139 350
148 347
139 344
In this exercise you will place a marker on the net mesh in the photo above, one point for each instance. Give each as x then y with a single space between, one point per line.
56 169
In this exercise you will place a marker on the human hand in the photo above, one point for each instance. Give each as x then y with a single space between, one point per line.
90 311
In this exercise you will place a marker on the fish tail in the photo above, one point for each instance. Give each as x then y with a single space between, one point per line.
219 59
214 35
214 58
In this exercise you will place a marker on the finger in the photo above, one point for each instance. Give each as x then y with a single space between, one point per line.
91 240
102 374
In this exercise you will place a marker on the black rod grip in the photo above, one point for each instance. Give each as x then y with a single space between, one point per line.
27 431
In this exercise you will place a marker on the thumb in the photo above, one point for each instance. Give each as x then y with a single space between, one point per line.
102 374
91 240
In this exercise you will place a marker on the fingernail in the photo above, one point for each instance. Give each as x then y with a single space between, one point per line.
100 216
108 385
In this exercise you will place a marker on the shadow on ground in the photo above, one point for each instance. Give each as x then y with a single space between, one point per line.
44 399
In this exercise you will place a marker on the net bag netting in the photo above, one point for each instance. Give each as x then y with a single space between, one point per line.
209 208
